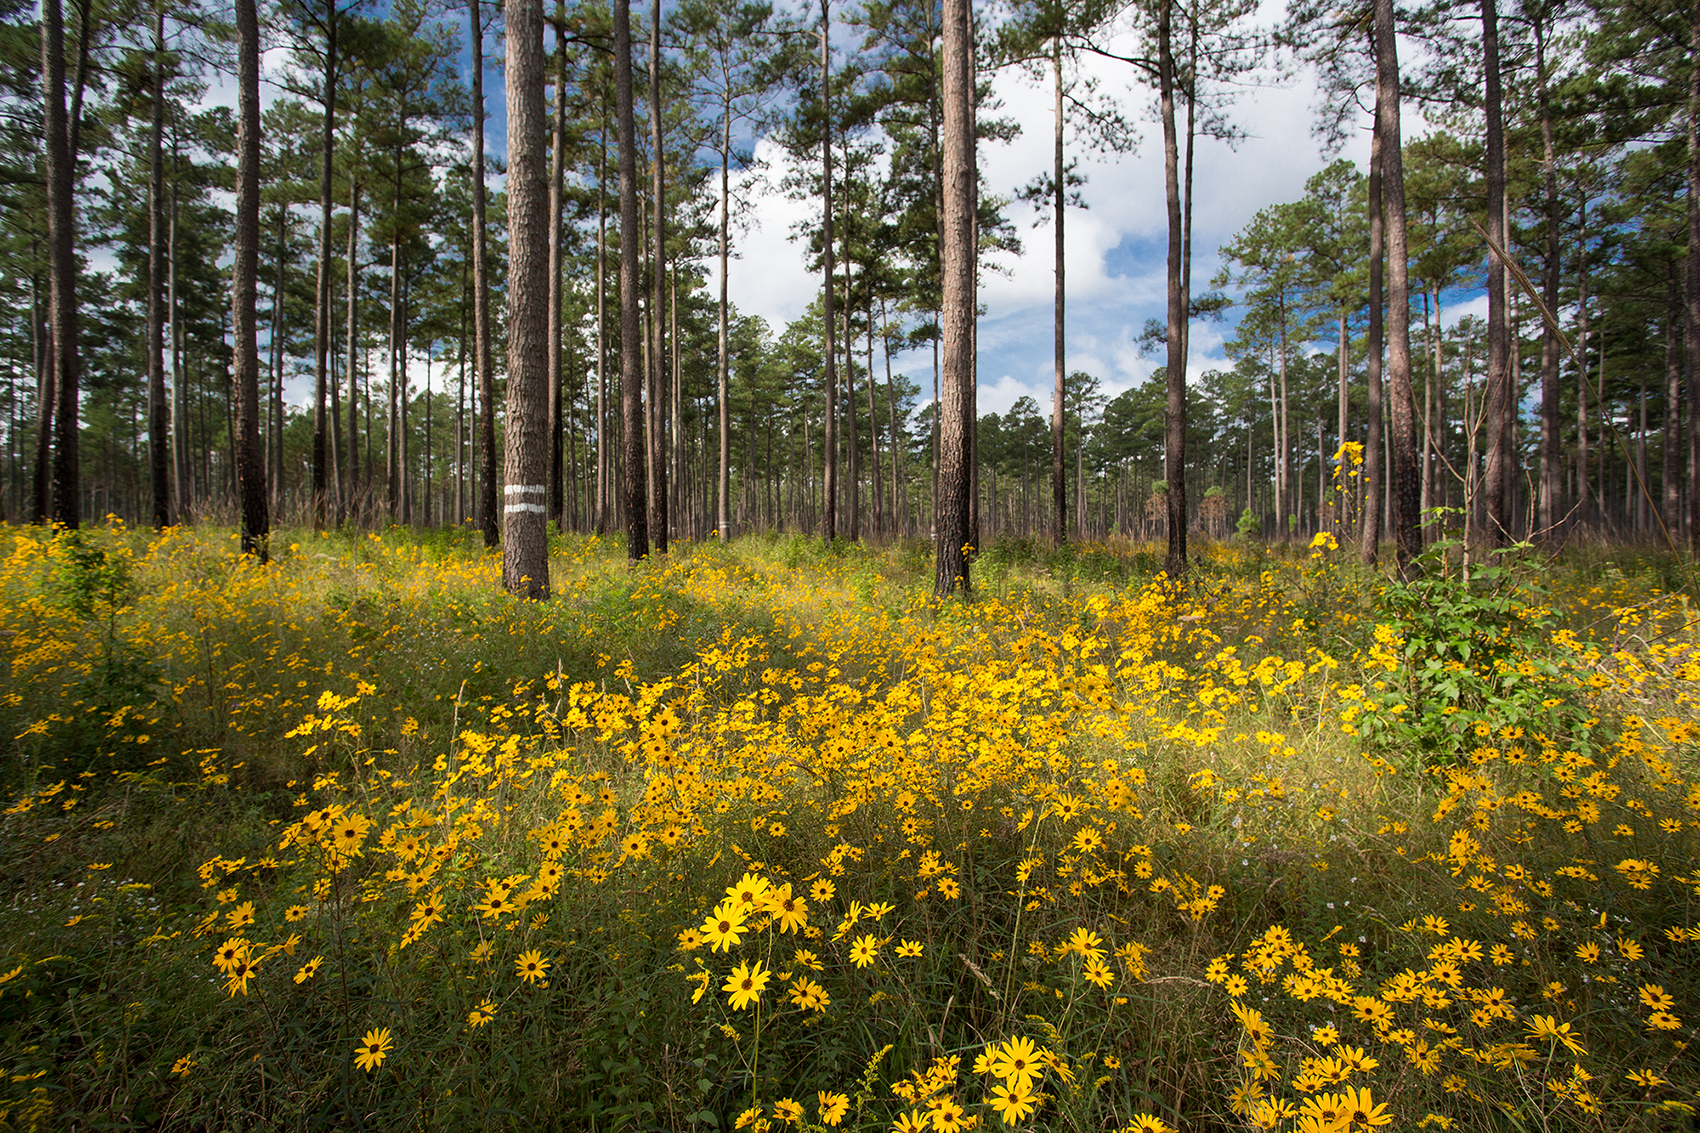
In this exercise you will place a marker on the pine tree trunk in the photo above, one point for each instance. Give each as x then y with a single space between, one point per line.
829 486
1402 417
1059 474
322 293
525 532
1369 533
1496 486
1691 335
557 178
356 502
62 271
159 411
604 453
488 516
951 508
245 357
1551 456
723 466
1174 440
659 519
631 342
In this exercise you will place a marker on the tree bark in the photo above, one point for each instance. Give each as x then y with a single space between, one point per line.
604 455
1174 440
829 487
1059 470
953 518
1499 395
482 350
723 466
631 343
525 531
1406 484
356 503
1691 335
62 270
245 356
557 178
658 499
1551 456
322 293
159 412
1369 533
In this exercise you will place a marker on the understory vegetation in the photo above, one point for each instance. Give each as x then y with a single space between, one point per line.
761 836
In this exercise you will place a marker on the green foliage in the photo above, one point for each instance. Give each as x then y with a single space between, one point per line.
1474 658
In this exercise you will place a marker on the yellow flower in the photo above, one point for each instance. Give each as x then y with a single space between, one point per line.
480 1015
833 1106
746 984
865 950
909 948
788 1110
1013 1102
531 966
1362 1110
372 1051
309 970
1016 1062
725 926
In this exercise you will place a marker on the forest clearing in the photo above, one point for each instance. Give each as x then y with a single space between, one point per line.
762 834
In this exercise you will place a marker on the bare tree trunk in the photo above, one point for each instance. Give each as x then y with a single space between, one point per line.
482 353
658 499
322 294
557 178
525 532
1672 465
1174 458
398 367
1059 474
1369 533
873 429
61 270
631 342
274 442
1691 334
829 518
1407 534
1551 456
159 412
951 508
723 467
1499 395
245 357
604 454
356 504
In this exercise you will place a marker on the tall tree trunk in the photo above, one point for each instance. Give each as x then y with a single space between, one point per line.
1691 335
159 412
1407 534
1551 456
274 442
482 349
1174 439
1369 534
356 503
829 486
245 356
658 499
953 518
1671 446
1584 490
1059 473
604 454
874 485
631 343
322 294
557 178
525 532
182 468
723 466
398 365
61 269
1499 395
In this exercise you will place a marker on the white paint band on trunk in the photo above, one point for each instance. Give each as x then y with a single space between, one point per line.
512 508
523 490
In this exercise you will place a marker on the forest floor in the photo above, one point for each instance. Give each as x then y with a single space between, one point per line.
760 835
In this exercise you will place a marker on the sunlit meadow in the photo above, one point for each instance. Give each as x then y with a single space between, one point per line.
759 836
